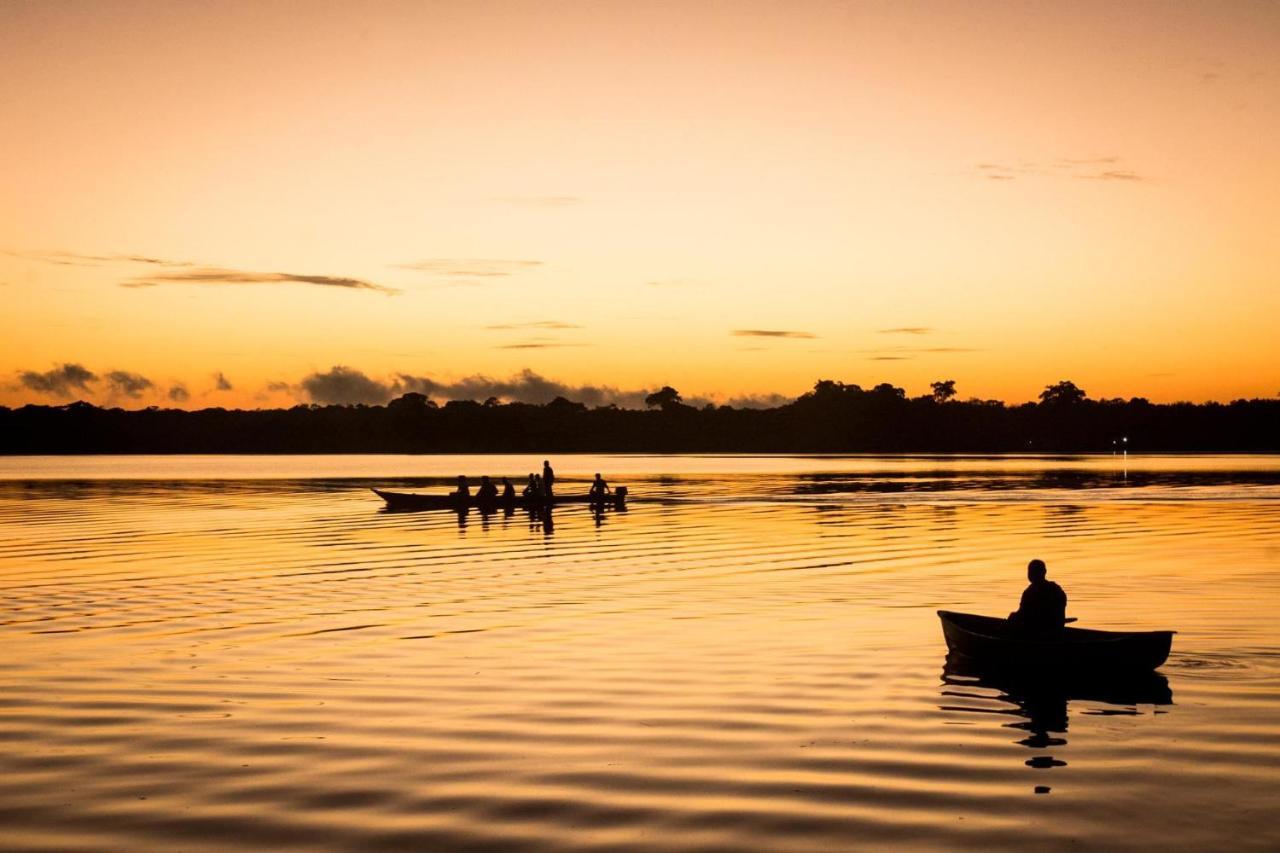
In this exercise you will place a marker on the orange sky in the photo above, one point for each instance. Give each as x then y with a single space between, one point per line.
1025 192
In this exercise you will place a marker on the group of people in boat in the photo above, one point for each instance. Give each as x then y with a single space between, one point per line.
539 488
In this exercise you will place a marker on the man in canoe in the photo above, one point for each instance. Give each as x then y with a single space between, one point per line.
464 491
488 492
599 488
508 491
1043 608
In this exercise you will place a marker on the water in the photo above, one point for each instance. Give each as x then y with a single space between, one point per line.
247 653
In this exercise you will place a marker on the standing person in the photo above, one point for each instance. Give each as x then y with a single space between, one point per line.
548 479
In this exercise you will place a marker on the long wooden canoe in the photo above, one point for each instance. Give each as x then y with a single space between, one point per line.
403 501
995 642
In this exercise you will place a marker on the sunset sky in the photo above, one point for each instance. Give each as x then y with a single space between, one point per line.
218 203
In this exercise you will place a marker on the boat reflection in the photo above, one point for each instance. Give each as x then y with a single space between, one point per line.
1040 703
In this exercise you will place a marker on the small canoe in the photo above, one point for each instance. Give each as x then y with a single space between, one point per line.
993 641
401 501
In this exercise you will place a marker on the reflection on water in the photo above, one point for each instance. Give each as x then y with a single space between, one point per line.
248 653
1040 702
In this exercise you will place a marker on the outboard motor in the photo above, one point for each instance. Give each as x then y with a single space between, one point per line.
620 495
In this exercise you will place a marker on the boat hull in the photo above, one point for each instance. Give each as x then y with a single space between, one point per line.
993 642
409 501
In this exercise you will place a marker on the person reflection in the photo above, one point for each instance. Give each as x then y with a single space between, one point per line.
1041 702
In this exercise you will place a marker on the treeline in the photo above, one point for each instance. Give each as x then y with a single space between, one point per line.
833 417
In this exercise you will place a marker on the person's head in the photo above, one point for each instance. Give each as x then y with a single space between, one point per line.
1036 570
484 478
597 476
546 463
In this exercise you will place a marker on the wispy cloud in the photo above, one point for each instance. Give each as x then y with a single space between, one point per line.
184 274
221 382
770 333
178 393
907 330
223 276
77 259
539 345
1113 175
540 200
470 267
61 381
902 351
1073 168
890 358
540 324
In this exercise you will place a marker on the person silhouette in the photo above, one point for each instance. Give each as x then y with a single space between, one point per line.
1043 607
464 490
599 488
533 489
548 479
508 491
488 492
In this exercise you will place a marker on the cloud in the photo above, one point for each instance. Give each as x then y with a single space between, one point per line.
904 351
61 381
1113 175
219 275
77 259
344 386
179 394
470 267
221 382
540 200
128 384
525 387
541 324
890 358
1078 168
538 345
759 401
907 330
770 333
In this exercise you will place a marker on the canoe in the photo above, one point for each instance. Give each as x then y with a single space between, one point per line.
400 501
994 642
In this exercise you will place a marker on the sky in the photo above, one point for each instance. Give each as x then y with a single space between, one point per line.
263 203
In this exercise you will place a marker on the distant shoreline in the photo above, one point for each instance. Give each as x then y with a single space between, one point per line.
833 418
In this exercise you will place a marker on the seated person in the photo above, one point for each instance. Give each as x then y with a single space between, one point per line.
1044 605
463 490
534 488
599 488
508 490
488 492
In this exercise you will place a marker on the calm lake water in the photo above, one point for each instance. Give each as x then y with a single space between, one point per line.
249 653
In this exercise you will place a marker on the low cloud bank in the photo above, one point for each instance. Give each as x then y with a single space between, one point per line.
343 385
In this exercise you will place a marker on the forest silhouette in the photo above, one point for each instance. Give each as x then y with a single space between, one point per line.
833 417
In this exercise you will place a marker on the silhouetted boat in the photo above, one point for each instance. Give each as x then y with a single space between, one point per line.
994 642
412 501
